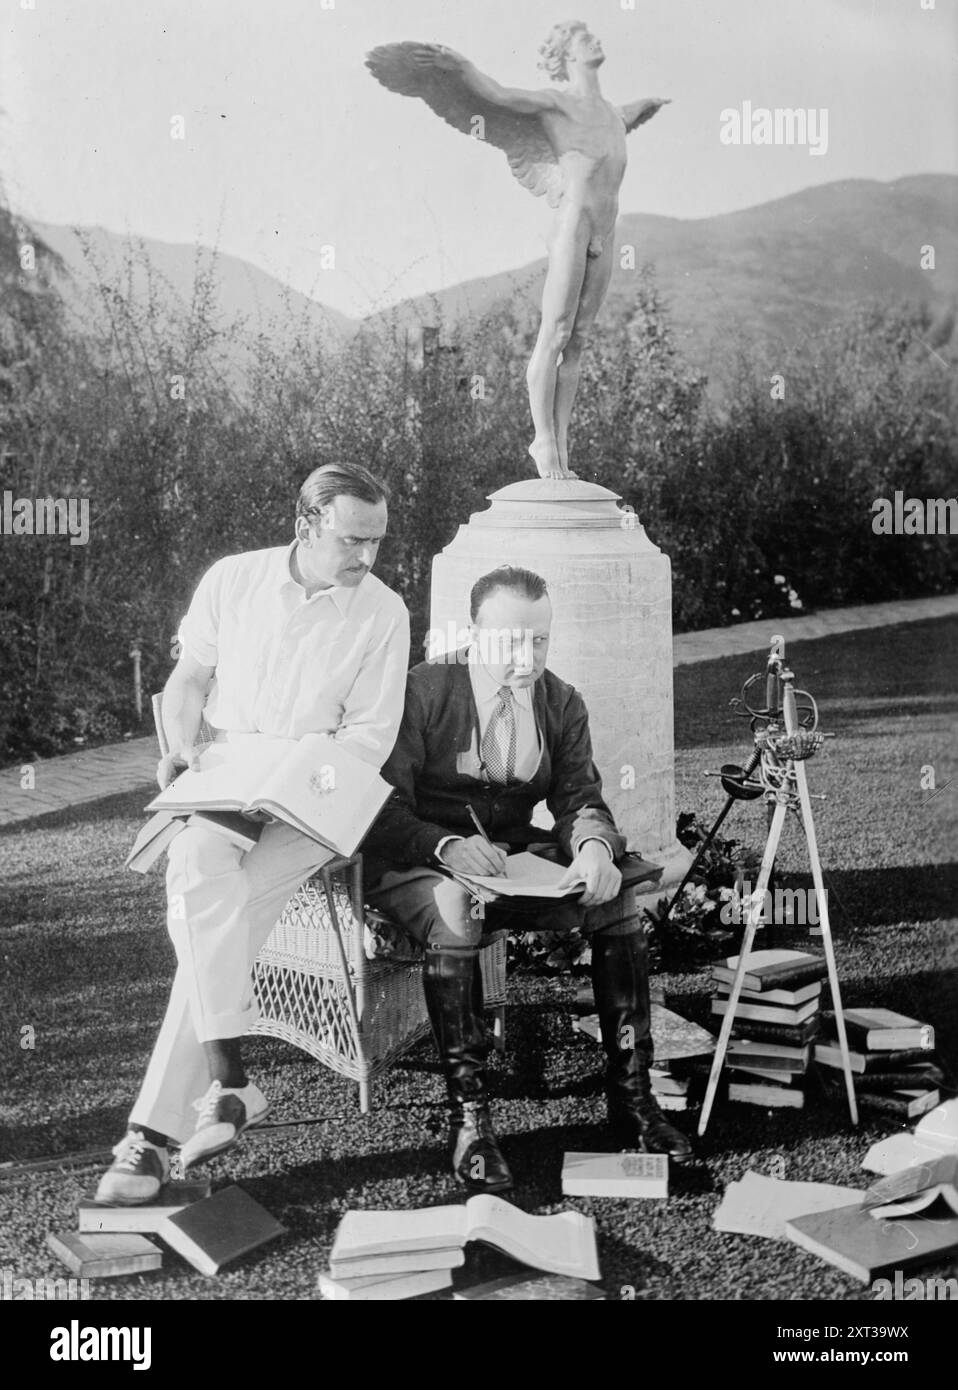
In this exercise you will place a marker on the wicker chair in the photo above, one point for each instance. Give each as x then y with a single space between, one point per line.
323 984
343 983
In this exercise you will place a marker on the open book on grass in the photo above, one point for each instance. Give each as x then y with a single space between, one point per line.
313 784
916 1189
560 1244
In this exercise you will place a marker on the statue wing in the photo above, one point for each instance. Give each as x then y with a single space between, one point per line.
521 137
638 112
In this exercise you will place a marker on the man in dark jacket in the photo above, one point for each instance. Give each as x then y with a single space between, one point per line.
488 732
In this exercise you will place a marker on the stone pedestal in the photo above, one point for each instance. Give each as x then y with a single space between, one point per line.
611 591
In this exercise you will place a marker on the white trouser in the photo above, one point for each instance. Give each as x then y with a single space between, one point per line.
222 904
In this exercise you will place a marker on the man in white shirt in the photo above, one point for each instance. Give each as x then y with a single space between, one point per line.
282 642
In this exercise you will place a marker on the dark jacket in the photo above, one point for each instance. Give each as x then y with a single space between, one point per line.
435 769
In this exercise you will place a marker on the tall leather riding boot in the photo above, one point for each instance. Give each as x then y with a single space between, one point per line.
454 1002
620 979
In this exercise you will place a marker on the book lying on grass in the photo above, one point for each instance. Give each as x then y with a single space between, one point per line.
916 1189
766 1094
913 1078
866 1249
375 1288
760 1206
880 1030
561 1244
211 1233
529 1288
313 784
767 1055
767 1013
173 1197
935 1133
773 969
830 1055
615 1175
790 997
104 1256
908 1105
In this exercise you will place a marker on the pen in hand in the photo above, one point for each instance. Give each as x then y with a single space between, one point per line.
482 831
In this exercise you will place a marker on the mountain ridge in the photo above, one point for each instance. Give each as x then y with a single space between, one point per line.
777 271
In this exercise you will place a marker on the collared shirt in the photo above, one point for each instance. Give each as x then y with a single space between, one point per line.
485 692
288 665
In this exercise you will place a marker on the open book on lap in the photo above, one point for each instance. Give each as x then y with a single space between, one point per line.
313 784
526 876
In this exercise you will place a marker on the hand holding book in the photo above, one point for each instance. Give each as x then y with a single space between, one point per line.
173 763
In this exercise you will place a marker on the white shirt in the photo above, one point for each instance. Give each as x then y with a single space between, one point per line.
485 692
288 665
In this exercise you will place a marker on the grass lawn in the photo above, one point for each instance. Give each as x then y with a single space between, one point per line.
87 963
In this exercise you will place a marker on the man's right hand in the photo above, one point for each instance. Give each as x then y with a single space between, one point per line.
172 764
474 856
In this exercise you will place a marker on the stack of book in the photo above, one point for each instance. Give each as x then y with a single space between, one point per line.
776 1018
208 1232
389 1255
892 1058
671 1091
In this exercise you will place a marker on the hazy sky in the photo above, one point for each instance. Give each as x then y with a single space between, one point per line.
291 145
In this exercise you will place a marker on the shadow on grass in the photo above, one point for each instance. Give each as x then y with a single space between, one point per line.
121 806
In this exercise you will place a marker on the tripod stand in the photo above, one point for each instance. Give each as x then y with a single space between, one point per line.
786 736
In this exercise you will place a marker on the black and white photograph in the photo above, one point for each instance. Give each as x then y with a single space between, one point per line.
479 667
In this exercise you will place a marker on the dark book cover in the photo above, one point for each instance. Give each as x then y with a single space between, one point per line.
853 1240
758 1031
880 1030
780 970
908 1105
914 1079
211 1233
868 1062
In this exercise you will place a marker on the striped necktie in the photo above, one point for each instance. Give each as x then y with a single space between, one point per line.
499 740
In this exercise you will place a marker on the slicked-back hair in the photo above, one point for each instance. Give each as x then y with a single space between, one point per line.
553 52
339 480
517 581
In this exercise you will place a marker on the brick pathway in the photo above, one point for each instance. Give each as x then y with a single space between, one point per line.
688 647
95 773
75 778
